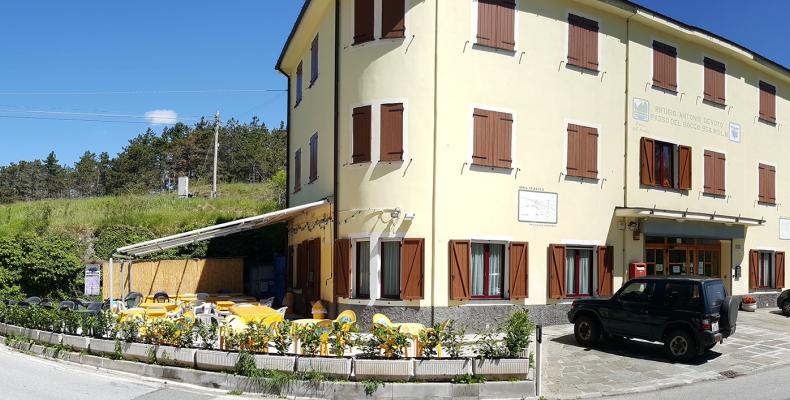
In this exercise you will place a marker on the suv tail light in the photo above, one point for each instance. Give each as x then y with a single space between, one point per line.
706 325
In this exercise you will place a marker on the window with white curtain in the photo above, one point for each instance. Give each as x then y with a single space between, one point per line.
488 266
767 276
579 272
390 269
362 290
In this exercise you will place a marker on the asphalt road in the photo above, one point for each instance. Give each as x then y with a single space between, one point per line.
32 378
773 384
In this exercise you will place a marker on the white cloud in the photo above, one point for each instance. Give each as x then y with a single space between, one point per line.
161 117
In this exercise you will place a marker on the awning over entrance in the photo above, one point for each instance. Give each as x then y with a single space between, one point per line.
215 231
682 216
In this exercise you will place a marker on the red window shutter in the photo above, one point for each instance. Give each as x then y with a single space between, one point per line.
582 42
519 270
506 25
363 21
487 22
780 269
482 149
342 268
556 271
605 271
590 153
393 13
647 162
714 81
684 166
361 141
503 140
391 132
754 265
664 66
298 170
767 102
412 269
459 269
574 164
314 61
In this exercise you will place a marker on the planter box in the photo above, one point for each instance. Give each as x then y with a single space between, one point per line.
384 370
275 363
216 360
136 351
2 328
31 333
77 343
502 369
50 338
13 330
749 307
101 347
441 370
175 356
334 367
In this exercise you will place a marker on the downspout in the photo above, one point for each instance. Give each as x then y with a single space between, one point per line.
626 127
335 165
433 182
288 145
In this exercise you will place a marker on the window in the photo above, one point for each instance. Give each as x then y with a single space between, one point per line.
579 272
766 269
767 103
665 164
767 184
488 266
714 173
714 81
298 84
363 21
361 132
298 170
390 269
314 61
582 151
362 270
683 295
582 42
493 135
391 132
496 21
314 157
665 66
637 292
766 277
393 13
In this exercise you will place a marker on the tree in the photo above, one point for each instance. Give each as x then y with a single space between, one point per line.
54 177
85 177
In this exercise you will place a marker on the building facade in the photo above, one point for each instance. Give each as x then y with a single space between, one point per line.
485 154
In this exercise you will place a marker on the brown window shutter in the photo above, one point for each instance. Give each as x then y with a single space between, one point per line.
780 269
298 84
315 268
684 166
302 258
761 178
556 271
754 265
767 102
482 150
503 140
714 81
721 162
574 164
506 25
605 271
393 19
314 157
362 128
342 268
647 162
664 66
459 269
391 132
582 42
709 184
314 61
289 273
519 270
363 21
771 184
487 22
298 170
590 153
412 269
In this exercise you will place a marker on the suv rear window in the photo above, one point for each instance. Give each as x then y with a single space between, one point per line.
683 295
715 293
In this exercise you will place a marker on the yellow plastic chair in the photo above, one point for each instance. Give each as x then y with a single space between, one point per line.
381 319
325 327
348 317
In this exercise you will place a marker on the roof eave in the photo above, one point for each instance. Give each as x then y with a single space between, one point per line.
295 28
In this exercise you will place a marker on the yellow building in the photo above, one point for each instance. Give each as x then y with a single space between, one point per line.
480 155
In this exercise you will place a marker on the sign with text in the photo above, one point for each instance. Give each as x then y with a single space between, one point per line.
540 207
784 229
92 280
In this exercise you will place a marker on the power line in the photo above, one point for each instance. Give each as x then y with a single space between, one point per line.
138 92
25 110
83 119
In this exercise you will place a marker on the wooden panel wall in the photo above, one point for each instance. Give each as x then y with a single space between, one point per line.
176 276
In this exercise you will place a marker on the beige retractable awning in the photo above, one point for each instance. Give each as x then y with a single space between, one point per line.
680 215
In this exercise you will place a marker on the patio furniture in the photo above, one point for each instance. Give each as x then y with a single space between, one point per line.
133 299
267 302
33 301
161 297
66 305
412 330
202 296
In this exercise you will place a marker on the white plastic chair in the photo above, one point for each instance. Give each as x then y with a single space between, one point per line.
267 302
282 310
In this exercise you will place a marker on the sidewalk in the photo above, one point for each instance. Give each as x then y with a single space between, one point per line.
761 341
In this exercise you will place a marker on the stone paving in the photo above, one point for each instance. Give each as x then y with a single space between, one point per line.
762 340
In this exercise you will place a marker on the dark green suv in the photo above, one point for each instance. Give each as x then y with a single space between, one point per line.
688 314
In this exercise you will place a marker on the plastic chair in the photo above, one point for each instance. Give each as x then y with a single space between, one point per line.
381 319
267 302
66 305
33 301
202 296
161 297
282 310
348 317
133 299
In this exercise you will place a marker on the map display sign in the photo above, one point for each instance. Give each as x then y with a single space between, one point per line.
540 207
92 280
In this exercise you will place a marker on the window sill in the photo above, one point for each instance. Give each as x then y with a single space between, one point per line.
377 302
715 103
494 49
485 168
720 196
582 68
359 163
767 121
671 189
312 180
766 203
579 178
765 291
487 302
665 89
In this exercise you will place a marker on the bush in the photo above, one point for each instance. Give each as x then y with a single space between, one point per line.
47 266
518 329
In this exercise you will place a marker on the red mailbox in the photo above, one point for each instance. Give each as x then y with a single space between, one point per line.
637 269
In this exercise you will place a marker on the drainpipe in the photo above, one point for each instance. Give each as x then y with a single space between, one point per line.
433 182
626 126
335 166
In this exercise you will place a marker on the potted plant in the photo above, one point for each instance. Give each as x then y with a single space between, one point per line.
502 360
310 338
278 335
392 344
748 303
442 354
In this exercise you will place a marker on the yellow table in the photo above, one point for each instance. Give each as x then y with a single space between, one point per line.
413 329
155 313
170 307
126 315
251 312
224 305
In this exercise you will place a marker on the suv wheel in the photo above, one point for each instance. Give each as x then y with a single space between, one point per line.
786 308
680 345
587 331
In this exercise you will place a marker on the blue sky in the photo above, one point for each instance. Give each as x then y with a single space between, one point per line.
154 48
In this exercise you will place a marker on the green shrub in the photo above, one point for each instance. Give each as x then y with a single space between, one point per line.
453 340
518 329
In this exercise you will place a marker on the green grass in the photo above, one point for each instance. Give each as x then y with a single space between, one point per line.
161 213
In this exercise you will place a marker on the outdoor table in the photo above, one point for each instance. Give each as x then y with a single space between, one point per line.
224 305
249 313
125 315
155 313
169 307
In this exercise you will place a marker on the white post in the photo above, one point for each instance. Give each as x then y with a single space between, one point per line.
538 360
111 282
216 149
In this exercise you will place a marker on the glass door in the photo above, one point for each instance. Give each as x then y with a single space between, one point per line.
678 262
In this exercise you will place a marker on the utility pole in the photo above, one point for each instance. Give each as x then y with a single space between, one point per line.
216 148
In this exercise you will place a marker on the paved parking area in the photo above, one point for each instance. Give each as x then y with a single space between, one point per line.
762 340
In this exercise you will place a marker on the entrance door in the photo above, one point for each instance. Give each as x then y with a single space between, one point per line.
679 261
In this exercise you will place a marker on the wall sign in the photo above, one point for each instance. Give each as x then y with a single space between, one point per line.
92 280
540 207
641 109
784 228
735 132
